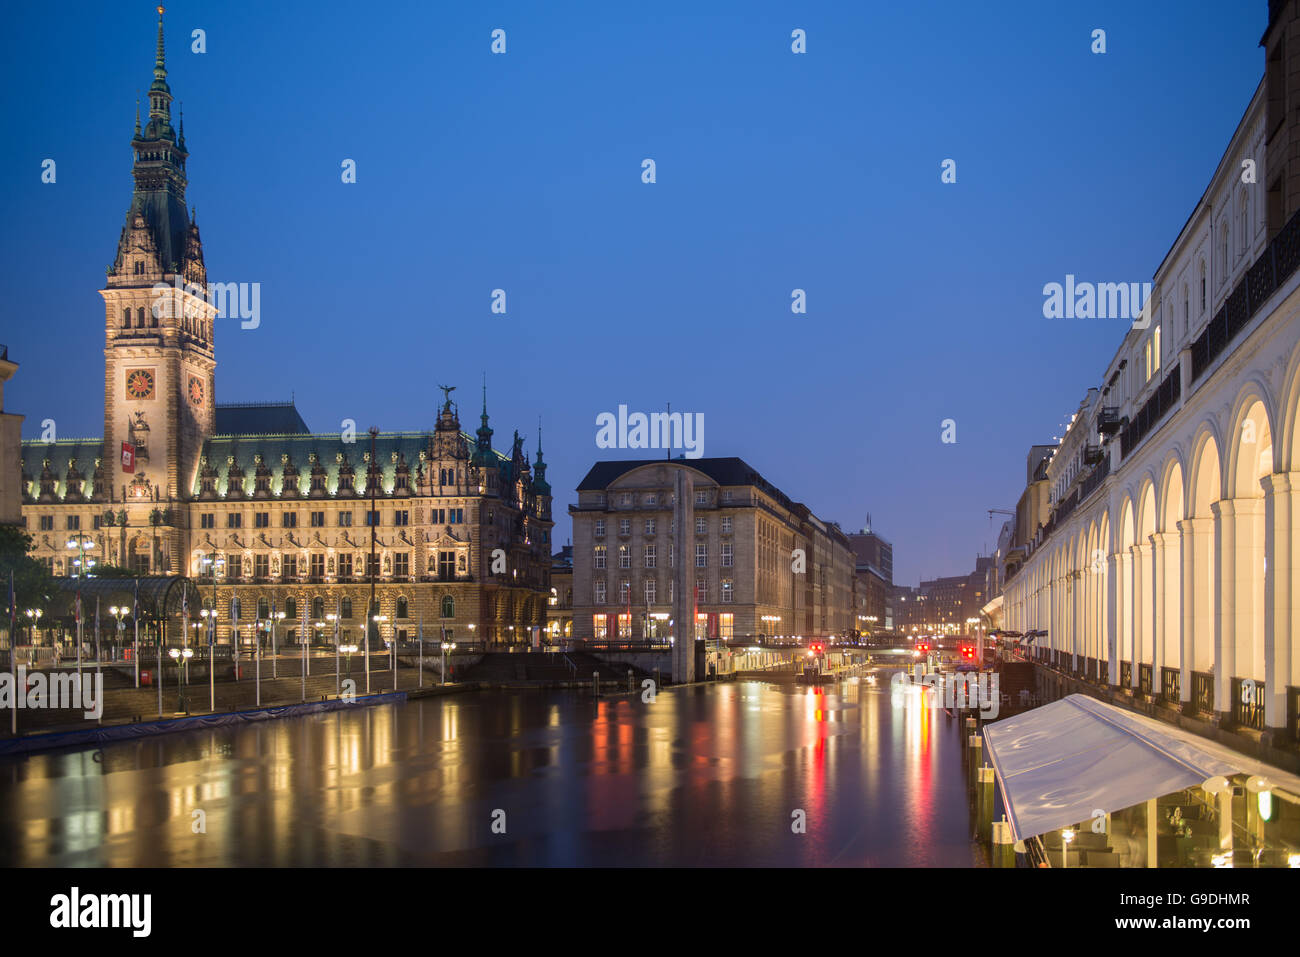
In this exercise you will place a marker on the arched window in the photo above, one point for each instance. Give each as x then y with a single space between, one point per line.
263 608
318 608
139 318
448 607
126 318
290 608
401 608
345 609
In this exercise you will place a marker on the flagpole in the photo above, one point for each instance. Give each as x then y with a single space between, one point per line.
338 613
99 664
419 655
257 655
160 671
79 632
135 624
13 652
234 631
212 664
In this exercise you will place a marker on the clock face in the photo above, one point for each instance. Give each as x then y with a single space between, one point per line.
139 384
196 390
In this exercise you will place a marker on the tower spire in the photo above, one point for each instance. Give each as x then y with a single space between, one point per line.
160 64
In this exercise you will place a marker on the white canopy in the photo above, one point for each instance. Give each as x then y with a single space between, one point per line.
1058 763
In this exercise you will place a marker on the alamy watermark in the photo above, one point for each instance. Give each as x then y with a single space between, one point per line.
230 300
658 430
1103 300
53 691
967 689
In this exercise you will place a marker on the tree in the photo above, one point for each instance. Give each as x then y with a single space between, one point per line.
32 582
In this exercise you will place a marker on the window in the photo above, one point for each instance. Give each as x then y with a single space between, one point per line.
627 498
402 567
234 520
649 556
701 555
345 519
372 518
455 516
701 591
446 565
651 590
726 555
598 558
345 609
652 499
47 523
726 625
1202 287
290 566
233 565
263 609
1155 349
600 626
624 557
317 565
372 566
726 591
600 528
624 592
345 565
318 608
290 608
448 606
624 625
401 517
701 498
402 607
625 526
649 526
726 525
317 519
261 566
437 516
261 519
701 526
208 520
289 520
599 598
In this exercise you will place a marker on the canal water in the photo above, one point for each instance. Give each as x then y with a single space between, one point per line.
744 773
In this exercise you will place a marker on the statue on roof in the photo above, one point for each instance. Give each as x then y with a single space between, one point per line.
447 390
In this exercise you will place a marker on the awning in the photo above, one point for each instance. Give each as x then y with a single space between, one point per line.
1057 764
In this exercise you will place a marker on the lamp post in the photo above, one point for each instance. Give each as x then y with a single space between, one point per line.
210 621
471 633
446 647
80 543
182 658
1067 836
275 665
333 620
392 645
348 650
119 614
34 628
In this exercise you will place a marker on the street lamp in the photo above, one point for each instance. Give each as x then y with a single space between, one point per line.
182 658
348 650
35 615
446 647
471 633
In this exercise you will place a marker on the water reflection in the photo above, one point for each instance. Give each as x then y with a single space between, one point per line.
701 776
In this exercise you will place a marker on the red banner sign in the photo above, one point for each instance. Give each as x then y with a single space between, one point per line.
128 457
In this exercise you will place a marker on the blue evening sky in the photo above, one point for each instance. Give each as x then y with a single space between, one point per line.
522 171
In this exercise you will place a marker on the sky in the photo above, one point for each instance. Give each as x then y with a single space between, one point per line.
523 171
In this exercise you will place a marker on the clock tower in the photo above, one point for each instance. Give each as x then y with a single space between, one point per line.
159 358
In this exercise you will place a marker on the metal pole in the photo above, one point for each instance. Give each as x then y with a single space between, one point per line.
212 664
160 673
304 667
135 617
275 670
257 654
373 519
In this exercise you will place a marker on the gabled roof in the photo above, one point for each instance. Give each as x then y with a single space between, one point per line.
259 418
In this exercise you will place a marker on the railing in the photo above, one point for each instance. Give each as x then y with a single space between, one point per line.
1161 402
1248 707
1270 271
1170 680
1126 674
1203 692
1144 679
